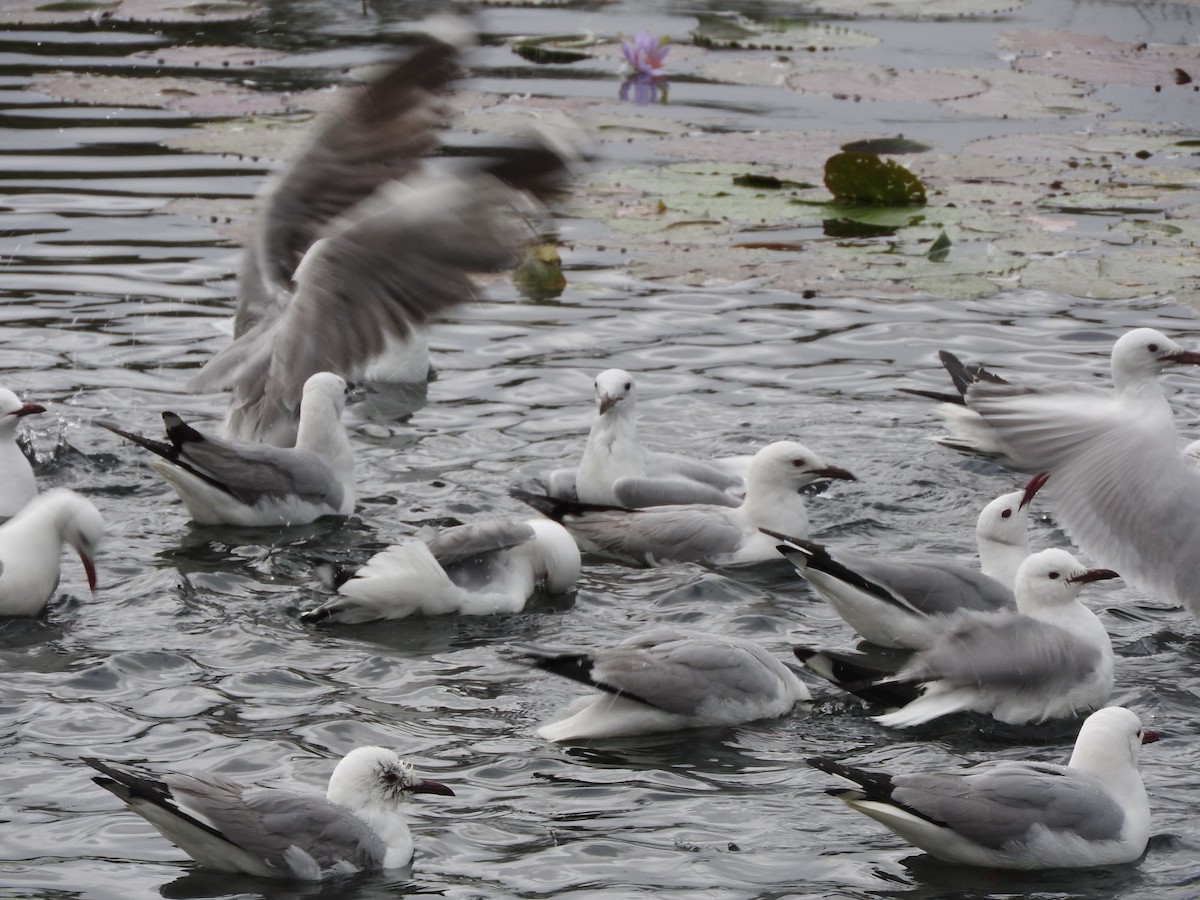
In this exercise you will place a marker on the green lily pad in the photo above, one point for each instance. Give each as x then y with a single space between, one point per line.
939 250
553 49
539 276
883 146
866 178
724 32
913 9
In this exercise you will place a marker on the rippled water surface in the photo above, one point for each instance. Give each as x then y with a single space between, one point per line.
191 655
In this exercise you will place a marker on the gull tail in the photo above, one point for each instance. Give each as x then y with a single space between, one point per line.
860 675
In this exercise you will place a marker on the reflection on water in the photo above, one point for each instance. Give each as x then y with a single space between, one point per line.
191 654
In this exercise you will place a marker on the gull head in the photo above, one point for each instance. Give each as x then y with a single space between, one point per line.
375 776
789 465
325 390
1005 519
1139 356
12 410
1054 577
80 525
614 388
1110 739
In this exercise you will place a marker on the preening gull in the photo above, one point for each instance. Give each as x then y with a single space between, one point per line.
1052 659
362 241
909 602
1119 485
357 826
31 545
1014 814
668 679
617 470
16 475
474 569
240 483
703 533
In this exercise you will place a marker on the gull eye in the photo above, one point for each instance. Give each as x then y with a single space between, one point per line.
1006 514
799 463
1153 348
390 777
1053 576
629 385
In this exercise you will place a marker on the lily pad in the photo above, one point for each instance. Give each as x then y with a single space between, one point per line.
40 12
939 250
913 9
883 146
866 178
553 49
724 32
1097 59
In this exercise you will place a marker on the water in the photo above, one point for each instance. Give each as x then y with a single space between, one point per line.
191 655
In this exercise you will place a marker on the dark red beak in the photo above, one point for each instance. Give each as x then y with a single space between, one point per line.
1093 575
29 409
90 568
431 787
1149 736
1186 358
834 472
1036 483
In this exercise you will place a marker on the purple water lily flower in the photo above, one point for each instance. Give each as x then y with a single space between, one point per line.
646 53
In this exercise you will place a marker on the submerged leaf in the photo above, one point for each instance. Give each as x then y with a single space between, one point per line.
939 249
893 145
865 178
723 32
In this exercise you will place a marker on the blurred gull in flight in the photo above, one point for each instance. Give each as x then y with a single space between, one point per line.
239 483
362 241
1014 814
703 533
909 602
1052 659
668 679
357 826
475 569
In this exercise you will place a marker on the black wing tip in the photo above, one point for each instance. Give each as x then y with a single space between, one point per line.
875 785
179 432
557 508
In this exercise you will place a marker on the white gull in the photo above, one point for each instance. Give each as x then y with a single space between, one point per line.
16 475
358 826
31 545
1013 814
475 569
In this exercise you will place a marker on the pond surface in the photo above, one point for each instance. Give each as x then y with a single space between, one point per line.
192 656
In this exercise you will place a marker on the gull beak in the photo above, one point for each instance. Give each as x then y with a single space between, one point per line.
834 472
28 409
1093 575
607 402
1036 483
1148 736
1184 358
90 568
431 787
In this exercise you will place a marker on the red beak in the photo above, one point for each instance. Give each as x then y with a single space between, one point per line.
90 568
834 472
431 787
1148 736
1093 575
28 409
1036 483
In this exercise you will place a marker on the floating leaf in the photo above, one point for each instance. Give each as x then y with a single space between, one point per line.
939 250
553 49
913 9
844 227
723 32
539 276
767 182
893 145
865 178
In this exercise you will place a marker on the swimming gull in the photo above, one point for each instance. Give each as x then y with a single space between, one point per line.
1119 485
1051 659
363 240
225 482
703 533
909 602
617 470
31 545
667 679
475 569
357 826
16 475
1016 814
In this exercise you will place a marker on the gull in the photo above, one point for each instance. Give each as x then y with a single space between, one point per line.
668 679
1119 485
16 475
909 602
31 545
476 569
357 826
703 533
241 483
362 241
617 470
1014 814
1051 659
966 431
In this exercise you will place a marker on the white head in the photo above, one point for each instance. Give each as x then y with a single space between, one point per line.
615 389
326 389
1054 578
1109 740
1139 356
375 776
12 410
77 522
1005 519
789 466
558 554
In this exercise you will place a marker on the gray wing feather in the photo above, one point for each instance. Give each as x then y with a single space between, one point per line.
267 822
464 542
667 465
254 471
665 534
1008 650
931 586
644 492
1000 803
